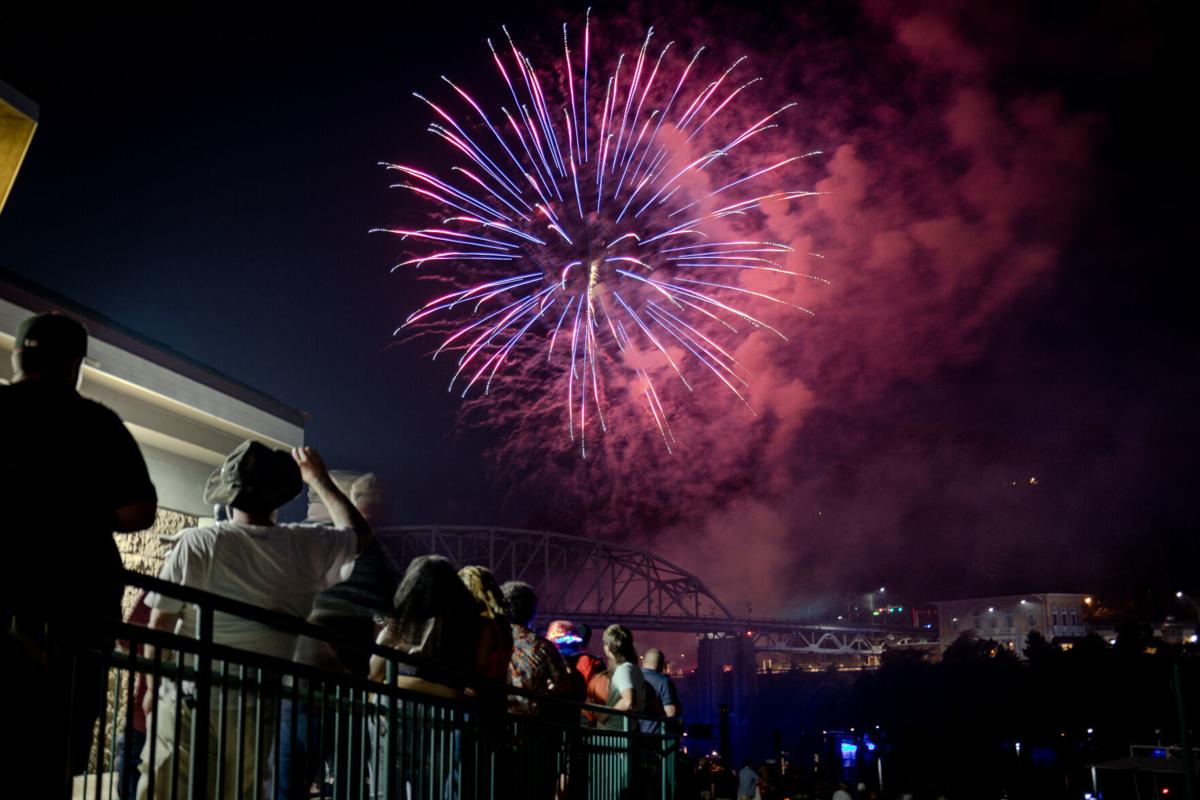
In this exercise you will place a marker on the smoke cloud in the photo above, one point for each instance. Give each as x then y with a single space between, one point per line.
944 200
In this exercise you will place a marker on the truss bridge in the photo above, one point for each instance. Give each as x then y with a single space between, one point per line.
600 583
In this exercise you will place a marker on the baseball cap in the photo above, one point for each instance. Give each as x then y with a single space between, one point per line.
52 337
566 637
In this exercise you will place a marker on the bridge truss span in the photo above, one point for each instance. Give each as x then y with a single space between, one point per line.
601 583
586 580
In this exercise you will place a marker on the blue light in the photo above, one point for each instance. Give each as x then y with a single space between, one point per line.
1158 752
870 745
849 753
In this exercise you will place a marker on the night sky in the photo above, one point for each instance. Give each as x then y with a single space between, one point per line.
1006 227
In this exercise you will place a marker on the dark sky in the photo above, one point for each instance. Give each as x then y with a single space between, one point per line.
1008 232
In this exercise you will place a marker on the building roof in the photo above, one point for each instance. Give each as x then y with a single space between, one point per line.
18 121
1003 597
26 293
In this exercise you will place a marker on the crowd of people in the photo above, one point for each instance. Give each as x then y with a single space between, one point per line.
455 632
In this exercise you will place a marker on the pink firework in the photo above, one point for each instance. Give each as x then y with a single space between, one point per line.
578 240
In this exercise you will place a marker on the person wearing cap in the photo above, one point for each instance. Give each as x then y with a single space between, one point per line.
70 476
254 559
568 639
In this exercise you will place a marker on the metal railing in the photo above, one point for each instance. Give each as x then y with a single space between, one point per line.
280 729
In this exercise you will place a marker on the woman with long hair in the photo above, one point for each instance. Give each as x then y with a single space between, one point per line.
627 686
435 627
495 634
435 624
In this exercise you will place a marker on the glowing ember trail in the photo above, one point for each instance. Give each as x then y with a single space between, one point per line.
579 240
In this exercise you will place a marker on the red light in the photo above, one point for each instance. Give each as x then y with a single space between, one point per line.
1166 790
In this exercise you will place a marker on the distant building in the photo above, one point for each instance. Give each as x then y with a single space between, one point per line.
1008 620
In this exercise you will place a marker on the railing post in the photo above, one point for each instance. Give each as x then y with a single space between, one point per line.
198 763
629 757
390 781
667 760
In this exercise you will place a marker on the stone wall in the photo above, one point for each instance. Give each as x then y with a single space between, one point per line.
144 551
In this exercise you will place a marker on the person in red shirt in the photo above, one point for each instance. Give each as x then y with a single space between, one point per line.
133 737
572 640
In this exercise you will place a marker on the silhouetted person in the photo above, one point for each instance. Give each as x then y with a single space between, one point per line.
748 780
435 626
347 610
572 641
71 475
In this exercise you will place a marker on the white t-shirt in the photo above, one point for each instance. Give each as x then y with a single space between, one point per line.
628 676
276 567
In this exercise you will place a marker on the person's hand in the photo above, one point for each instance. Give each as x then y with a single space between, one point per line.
312 466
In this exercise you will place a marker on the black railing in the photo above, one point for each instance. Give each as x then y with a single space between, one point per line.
279 729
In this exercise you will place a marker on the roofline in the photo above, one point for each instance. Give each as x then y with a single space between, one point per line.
1005 597
19 101
29 294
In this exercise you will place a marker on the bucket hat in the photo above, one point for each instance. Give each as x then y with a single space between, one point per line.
254 478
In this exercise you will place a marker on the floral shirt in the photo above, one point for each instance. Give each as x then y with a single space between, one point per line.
535 665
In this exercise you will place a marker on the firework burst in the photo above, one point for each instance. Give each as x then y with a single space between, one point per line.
576 238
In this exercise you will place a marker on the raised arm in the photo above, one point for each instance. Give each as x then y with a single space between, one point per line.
341 510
